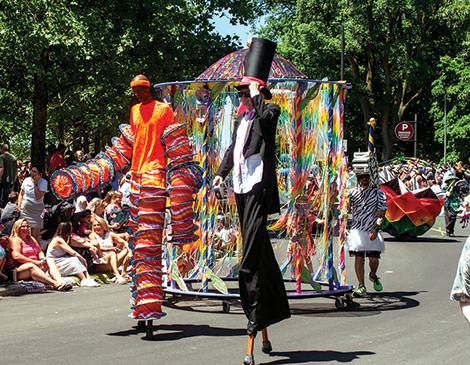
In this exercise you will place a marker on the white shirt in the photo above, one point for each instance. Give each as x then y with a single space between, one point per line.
246 172
28 187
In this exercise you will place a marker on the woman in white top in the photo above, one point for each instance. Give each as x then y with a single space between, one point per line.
69 261
115 250
31 200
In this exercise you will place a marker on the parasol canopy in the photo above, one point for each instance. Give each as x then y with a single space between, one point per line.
230 68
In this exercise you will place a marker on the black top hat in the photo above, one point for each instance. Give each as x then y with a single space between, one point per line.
257 64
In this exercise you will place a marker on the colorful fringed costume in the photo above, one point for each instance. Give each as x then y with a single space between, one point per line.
150 139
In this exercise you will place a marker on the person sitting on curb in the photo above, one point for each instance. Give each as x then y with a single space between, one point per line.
114 248
69 261
24 254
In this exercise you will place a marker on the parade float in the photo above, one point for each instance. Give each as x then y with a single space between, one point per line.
313 171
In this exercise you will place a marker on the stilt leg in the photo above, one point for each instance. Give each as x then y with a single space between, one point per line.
149 330
267 348
249 360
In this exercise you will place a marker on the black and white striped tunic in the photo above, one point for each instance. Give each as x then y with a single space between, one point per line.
365 203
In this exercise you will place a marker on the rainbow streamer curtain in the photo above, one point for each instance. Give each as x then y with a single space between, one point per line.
310 135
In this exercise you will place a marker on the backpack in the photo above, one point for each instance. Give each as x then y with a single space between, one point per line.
61 212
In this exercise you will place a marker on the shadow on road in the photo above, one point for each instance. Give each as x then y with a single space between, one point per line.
171 332
424 239
191 304
371 305
304 357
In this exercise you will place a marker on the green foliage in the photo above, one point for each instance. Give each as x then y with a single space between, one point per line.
66 65
454 80
392 50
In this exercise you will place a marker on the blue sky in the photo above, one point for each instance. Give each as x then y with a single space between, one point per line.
224 27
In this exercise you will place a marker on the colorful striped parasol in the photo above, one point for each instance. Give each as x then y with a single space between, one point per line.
231 68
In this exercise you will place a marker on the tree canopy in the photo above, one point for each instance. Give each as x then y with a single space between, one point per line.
392 51
66 65
453 87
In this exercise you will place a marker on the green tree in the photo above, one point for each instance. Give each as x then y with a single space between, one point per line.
66 65
392 49
454 81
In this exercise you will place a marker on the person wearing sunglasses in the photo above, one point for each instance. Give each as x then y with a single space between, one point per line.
251 156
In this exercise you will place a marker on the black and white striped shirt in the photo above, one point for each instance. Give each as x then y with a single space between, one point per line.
365 204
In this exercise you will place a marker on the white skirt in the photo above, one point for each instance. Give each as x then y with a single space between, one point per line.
359 241
69 265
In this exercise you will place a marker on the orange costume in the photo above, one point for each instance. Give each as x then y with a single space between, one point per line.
148 123
148 201
158 148
156 139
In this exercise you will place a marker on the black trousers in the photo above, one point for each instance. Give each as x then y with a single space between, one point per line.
262 291
450 217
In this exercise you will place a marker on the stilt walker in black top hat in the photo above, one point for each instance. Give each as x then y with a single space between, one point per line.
251 155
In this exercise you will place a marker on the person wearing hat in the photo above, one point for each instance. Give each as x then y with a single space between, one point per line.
451 201
368 205
251 156
149 120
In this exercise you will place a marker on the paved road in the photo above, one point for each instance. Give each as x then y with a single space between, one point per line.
411 322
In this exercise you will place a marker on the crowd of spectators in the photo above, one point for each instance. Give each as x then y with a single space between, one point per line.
90 235
45 240
417 174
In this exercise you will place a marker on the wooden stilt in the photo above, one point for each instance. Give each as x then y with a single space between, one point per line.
251 343
264 332
267 348
149 330
249 360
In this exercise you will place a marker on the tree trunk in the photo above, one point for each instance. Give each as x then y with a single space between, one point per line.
86 143
38 130
40 100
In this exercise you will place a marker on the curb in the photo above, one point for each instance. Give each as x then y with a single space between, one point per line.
13 290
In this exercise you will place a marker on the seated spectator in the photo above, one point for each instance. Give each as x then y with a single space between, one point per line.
107 198
114 203
125 189
82 223
115 217
69 261
3 245
81 203
10 213
79 156
115 250
81 229
24 254
96 207
61 212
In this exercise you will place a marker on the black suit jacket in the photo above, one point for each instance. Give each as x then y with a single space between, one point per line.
261 138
